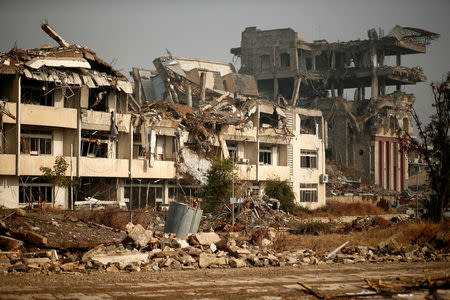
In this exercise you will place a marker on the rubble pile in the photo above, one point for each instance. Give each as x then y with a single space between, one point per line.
250 213
142 249
154 252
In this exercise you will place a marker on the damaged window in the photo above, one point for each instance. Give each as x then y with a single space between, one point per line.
36 96
309 125
285 61
264 62
98 99
308 159
138 150
36 142
308 192
35 190
265 156
232 151
94 145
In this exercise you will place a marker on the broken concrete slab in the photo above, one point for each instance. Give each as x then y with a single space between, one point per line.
36 239
125 258
36 260
8 243
204 238
140 236
237 262
206 260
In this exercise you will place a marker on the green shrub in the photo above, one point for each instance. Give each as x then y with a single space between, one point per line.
282 191
218 190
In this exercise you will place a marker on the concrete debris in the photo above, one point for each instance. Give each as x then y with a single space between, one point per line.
9 243
140 236
204 238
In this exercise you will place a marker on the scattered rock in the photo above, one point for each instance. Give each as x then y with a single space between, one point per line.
204 238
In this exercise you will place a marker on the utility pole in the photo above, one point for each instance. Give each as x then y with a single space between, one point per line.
71 177
232 195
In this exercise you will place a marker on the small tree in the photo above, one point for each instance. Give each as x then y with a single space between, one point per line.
56 176
218 190
434 148
282 191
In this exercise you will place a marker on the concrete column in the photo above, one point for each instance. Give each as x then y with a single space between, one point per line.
203 88
399 63
333 59
130 166
189 96
275 89
17 97
333 92
112 101
313 62
373 58
58 98
340 89
165 192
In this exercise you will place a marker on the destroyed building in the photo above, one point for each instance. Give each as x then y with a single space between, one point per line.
60 101
217 113
151 146
363 130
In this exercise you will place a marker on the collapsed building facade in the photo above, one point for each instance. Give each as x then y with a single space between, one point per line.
149 147
362 131
60 101
217 113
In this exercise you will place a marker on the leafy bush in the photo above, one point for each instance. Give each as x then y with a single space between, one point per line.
219 187
282 191
314 228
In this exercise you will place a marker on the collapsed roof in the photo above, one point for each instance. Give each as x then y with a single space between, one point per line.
63 65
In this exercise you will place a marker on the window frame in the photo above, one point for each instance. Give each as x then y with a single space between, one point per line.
310 158
263 153
308 192
36 140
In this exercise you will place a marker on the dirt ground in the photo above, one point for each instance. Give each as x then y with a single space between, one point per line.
247 283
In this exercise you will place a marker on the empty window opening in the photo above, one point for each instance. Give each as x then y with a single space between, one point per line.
98 99
265 156
32 93
308 192
35 190
94 145
232 151
309 125
264 62
308 159
285 61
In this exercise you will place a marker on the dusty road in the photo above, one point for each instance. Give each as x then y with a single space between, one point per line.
253 283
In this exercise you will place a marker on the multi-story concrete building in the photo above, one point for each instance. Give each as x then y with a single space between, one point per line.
65 101
362 130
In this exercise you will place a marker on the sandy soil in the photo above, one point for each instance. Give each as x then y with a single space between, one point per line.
254 283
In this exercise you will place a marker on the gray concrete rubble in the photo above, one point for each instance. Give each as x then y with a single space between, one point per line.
207 250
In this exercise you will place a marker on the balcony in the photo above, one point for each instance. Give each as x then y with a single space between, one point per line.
161 169
267 172
230 132
246 172
103 167
30 164
7 164
100 120
44 115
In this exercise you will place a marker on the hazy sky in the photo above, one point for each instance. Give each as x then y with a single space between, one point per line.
135 32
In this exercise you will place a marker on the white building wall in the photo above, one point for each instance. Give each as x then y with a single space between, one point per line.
9 191
308 175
